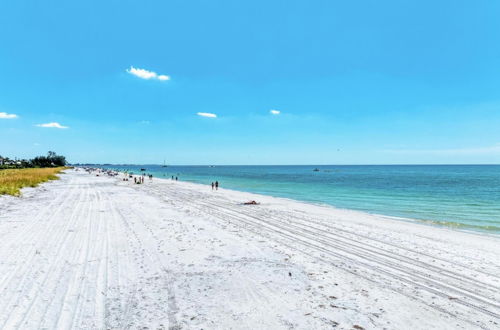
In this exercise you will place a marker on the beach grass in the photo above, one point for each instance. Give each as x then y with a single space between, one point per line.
12 180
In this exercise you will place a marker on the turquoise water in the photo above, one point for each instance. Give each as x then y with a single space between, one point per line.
462 196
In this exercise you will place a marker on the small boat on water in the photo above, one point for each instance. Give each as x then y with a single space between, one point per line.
164 165
316 170
143 169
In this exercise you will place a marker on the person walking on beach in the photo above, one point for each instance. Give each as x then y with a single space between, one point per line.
216 185
213 186
175 178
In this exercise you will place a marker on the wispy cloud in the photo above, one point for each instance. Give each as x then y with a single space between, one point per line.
207 114
274 112
146 74
52 125
5 115
494 149
144 122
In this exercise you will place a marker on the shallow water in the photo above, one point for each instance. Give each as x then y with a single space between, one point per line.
463 196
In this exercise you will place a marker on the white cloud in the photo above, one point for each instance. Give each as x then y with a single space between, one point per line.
274 112
52 125
5 115
146 74
207 114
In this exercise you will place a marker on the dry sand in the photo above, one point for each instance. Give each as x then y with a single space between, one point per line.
97 252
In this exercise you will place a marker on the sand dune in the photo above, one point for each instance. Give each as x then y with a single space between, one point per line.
96 252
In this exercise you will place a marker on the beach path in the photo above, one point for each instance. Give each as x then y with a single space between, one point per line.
96 252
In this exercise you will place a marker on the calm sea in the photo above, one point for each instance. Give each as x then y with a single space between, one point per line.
460 196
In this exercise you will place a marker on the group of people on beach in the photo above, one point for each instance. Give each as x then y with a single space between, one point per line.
137 180
215 185
140 179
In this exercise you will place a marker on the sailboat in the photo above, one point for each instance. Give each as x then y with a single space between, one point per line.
164 165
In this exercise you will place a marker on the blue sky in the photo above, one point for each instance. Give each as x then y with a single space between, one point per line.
355 82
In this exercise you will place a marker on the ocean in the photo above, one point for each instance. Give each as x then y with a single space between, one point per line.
459 196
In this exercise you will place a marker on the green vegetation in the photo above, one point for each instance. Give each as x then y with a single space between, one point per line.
51 160
19 173
12 180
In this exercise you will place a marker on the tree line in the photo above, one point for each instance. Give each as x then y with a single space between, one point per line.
51 160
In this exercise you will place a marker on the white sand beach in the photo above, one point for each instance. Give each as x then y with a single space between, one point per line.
96 252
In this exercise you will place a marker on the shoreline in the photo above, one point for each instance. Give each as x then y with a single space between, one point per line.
360 213
432 223
76 251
